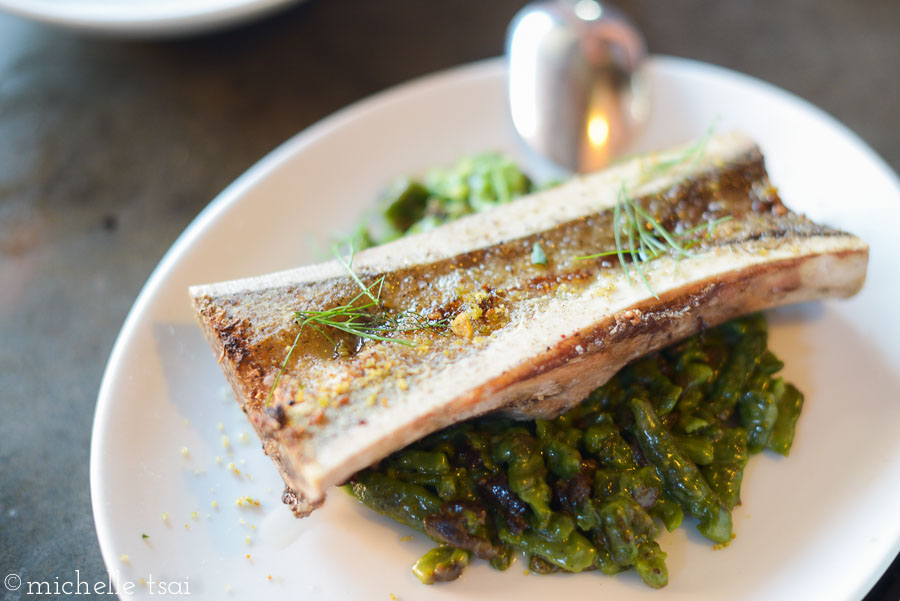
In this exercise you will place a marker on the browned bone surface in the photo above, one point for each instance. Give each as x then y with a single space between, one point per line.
530 340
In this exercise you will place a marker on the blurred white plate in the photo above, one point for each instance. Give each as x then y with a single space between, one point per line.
820 525
142 17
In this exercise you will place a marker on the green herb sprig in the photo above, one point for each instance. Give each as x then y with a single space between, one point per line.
645 238
538 256
689 156
641 236
359 320
361 316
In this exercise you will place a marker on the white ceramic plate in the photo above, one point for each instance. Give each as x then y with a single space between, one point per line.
142 17
820 525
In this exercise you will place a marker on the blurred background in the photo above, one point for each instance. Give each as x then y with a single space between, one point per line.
110 147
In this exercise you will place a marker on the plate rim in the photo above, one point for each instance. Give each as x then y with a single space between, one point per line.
141 22
233 192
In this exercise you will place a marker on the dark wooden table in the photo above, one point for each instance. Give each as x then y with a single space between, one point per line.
109 148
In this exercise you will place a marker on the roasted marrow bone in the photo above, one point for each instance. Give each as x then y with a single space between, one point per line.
526 339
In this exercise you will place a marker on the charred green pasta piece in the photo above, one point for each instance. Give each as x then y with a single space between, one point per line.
725 479
426 462
625 526
643 485
462 524
558 430
608 397
441 564
766 365
605 562
789 406
726 471
758 411
521 454
681 477
539 565
693 423
558 528
587 515
503 559
574 554
603 440
668 511
698 448
562 459
573 496
691 364
655 384
651 565
428 481
407 503
605 482
749 336
509 507
456 485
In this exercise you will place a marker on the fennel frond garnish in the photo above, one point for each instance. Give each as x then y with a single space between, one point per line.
640 236
363 316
